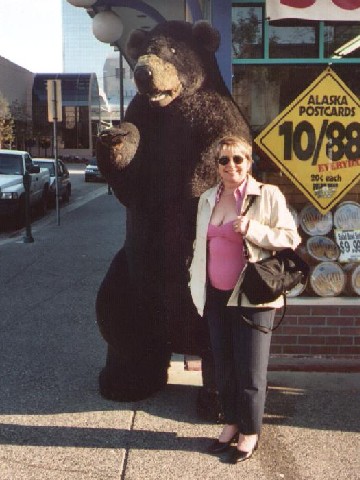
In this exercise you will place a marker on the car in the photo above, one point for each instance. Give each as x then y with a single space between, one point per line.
92 171
18 172
64 182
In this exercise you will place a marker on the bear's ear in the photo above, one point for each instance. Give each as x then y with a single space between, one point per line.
207 36
135 42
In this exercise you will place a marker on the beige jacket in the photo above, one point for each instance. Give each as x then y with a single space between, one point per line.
271 227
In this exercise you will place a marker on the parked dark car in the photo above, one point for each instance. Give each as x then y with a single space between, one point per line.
64 182
92 172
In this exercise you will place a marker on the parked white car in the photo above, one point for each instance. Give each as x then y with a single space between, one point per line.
64 182
15 167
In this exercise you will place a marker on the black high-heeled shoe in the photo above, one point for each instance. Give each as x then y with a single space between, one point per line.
235 456
219 447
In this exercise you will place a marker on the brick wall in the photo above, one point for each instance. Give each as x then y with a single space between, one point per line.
319 330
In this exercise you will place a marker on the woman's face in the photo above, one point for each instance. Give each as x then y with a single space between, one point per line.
234 163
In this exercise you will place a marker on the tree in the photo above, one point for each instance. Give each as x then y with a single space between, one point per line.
45 143
22 126
6 123
245 32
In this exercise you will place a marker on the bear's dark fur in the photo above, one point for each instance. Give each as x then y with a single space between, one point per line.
158 162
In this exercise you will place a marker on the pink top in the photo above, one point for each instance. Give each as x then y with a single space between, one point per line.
226 256
225 248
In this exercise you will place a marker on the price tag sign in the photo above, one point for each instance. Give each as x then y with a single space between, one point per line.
349 244
315 141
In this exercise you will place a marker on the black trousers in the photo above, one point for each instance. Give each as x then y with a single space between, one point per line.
241 356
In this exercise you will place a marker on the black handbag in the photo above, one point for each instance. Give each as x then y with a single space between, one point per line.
266 280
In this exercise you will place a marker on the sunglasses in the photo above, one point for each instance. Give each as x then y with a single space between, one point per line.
236 159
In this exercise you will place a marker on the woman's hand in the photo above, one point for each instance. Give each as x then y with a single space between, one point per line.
241 225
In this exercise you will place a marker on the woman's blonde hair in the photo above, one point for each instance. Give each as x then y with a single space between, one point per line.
233 141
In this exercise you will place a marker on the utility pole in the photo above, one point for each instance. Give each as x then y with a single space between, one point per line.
121 65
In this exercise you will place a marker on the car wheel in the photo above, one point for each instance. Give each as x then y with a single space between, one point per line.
43 205
66 195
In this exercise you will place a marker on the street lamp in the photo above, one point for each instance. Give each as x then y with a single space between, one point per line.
107 27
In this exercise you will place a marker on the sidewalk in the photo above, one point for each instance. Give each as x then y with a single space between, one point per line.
54 425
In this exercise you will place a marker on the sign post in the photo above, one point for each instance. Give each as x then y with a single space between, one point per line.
54 100
315 141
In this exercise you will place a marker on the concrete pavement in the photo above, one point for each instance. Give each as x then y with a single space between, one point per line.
54 425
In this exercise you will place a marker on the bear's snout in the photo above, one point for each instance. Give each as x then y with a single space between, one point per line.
143 77
158 79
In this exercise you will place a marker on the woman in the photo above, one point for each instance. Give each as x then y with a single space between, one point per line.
241 353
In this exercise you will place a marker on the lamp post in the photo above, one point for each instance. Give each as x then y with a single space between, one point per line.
108 28
121 85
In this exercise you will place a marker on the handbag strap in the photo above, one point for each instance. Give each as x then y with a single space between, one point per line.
249 322
263 329
251 201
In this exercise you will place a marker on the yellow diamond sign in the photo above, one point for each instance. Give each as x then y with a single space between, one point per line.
315 141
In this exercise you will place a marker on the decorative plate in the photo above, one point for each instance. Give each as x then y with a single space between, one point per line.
352 272
322 248
315 223
327 279
347 216
355 280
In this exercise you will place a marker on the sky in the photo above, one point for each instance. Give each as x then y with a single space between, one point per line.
31 34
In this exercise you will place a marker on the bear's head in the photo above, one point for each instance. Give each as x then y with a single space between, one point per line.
175 58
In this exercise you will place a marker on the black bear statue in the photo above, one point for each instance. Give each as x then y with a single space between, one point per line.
158 162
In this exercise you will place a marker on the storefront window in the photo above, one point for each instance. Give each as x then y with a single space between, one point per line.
254 37
263 91
81 110
247 32
273 64
341 40
70 120
293 40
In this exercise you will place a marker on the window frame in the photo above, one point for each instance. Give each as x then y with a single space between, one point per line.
266 60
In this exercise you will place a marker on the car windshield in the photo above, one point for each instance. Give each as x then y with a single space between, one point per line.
48 165
93 162
11 164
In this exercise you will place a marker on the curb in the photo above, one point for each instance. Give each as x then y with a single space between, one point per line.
295 364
